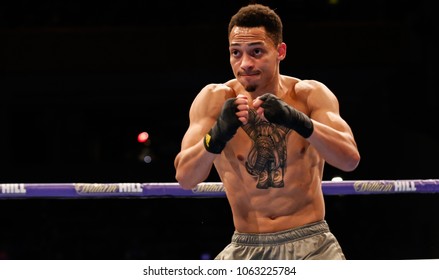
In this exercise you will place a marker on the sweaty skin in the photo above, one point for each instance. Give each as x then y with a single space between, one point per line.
271 174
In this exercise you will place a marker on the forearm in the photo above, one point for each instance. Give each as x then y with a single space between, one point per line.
193 165
337 148
194 162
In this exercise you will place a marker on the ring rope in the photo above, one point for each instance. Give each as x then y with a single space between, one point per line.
206 189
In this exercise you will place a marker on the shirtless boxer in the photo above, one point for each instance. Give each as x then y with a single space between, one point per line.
268 136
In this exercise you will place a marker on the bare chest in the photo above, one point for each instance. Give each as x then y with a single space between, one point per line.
265 150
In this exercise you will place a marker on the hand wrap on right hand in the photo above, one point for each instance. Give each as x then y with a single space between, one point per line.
225 127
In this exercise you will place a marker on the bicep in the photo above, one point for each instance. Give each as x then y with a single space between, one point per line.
325 109
203 114
331 119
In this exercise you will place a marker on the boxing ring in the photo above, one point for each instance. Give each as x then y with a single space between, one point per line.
206 189
372 219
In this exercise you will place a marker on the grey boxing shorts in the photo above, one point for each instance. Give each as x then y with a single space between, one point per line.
309 242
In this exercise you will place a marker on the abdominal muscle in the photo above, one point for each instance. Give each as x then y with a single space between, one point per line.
261 211
298 202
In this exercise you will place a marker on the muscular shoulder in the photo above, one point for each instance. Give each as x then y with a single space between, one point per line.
210 100
308 86
311 90
218 90
213 94
317 97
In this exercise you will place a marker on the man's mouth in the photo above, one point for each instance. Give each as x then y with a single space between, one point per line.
248 74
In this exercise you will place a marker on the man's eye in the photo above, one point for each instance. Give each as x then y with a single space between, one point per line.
235 53
257 51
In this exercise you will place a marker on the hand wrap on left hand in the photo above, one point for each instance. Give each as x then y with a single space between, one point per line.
279 112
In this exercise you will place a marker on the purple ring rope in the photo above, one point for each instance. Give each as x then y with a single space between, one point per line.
149 190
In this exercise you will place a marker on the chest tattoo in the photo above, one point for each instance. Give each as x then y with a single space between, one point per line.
267 157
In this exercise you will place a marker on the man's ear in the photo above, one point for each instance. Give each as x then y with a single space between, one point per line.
282 51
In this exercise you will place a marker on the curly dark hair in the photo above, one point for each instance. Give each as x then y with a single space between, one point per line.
257 15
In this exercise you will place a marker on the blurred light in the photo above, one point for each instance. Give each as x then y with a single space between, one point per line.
337 179
147 159
142 137
205 256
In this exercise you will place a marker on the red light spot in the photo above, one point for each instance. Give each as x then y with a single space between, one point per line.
143 137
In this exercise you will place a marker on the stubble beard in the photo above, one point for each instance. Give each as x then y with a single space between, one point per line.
251 88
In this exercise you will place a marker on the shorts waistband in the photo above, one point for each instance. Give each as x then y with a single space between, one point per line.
289 235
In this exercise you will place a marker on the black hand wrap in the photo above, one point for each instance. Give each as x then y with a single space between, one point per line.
279 112
225 127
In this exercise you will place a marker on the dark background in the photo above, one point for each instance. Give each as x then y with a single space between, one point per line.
79 80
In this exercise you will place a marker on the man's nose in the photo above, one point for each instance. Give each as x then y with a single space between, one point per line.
247 62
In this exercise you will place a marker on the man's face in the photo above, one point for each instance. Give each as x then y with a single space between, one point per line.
253 56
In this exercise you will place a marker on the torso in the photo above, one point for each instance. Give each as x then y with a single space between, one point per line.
271 174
